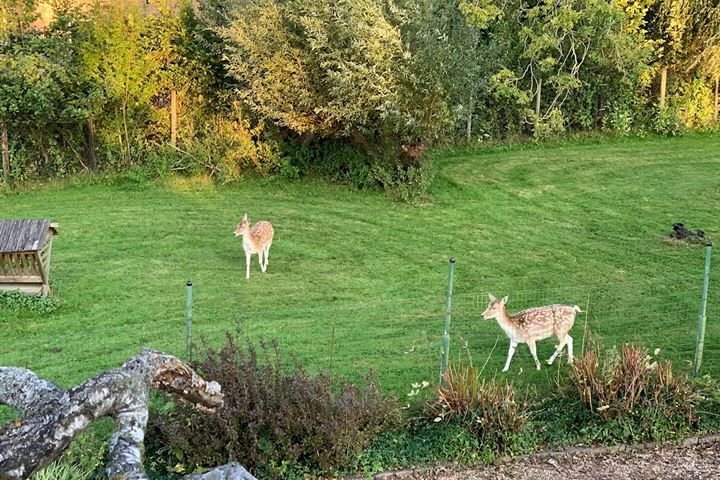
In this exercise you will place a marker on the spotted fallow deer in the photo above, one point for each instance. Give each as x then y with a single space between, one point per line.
257 239
532 325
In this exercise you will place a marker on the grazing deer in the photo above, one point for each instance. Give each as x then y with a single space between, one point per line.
532 325
257 239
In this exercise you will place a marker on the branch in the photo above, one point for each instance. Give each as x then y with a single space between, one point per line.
52 417
23 390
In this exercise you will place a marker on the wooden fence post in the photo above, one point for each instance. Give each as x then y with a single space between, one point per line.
663 86
90 144
5 152
173 117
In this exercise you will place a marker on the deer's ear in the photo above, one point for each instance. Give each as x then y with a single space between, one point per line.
245 217
504 300
492 298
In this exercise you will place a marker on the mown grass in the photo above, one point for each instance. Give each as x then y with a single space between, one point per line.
357 281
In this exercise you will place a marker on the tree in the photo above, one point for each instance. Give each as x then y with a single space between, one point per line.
556 40
43 94
450 55
334 70
116 56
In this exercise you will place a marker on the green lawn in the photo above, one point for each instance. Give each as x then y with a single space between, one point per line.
358 282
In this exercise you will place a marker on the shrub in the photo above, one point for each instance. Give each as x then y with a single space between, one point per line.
696 104
488 409
334 160
668 123
407 183
547 127
706 399
275 419
619 119
405 176
16 301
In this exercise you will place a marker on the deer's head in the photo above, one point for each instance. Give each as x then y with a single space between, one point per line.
242 227
495 307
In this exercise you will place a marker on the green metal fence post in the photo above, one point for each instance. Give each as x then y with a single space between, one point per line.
700 338
446 334
188 319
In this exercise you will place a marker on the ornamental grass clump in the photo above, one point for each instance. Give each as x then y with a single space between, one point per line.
631 384
488 409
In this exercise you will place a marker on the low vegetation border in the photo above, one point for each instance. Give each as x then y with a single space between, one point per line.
547 454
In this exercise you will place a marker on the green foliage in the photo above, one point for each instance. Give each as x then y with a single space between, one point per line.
17 302
561 41
480 13
335 160
418 444
275 419
407 183
619 120
60 471
88 451
668 123
125 55
706 398
695 104
43 96
319 67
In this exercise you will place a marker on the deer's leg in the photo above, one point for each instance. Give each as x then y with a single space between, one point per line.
511 352
533 350
247 265
261 261
267 254
570 348
563 341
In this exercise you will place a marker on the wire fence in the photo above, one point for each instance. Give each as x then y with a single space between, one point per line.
398 337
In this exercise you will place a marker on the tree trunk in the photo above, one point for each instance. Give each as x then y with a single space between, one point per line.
52 417
600 107
717 98
128 158
173 118
362 140
90 144
5 152
537 99
468 132
663 87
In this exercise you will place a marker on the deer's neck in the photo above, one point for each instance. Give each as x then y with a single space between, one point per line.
506 323
249 241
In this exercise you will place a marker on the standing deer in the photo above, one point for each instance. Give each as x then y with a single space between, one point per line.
257 239
532 325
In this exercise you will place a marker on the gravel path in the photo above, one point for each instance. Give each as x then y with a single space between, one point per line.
700 461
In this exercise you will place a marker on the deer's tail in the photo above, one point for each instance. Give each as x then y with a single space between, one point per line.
577 309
